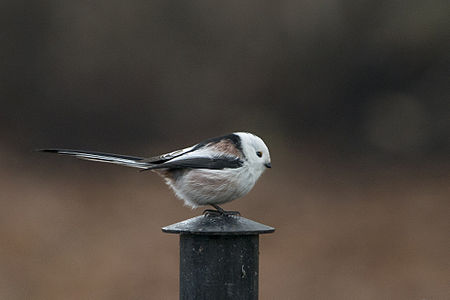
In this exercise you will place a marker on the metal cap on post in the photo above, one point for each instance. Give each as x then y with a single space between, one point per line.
219 256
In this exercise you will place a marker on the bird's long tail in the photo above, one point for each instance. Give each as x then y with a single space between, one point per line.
124 160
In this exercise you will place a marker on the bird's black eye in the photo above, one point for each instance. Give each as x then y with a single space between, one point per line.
259 153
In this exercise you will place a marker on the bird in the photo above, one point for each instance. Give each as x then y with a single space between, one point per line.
212 172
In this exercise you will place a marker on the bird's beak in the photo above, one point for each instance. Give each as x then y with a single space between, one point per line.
268 165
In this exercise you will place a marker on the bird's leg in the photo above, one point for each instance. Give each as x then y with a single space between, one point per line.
220 211
218 208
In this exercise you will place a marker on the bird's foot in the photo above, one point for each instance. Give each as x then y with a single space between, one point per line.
212 212
218 211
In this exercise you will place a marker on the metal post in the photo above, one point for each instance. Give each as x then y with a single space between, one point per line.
218 256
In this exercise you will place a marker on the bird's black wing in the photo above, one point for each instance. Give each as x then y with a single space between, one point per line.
230 143
168 156
214 163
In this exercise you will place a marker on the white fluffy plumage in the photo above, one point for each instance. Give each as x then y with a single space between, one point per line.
212 172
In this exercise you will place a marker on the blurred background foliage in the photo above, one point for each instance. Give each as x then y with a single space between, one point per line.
352 98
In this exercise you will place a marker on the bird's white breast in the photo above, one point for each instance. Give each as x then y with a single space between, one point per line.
204 186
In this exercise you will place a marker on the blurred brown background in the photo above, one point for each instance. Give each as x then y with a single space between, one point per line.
352 98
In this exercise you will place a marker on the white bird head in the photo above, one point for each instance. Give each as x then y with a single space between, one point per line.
256 151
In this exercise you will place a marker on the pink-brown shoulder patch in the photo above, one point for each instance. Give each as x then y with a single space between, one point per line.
228 147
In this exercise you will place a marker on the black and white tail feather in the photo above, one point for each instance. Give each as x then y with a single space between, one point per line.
123 160
212 172
118 159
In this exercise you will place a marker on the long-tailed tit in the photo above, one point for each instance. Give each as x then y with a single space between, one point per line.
212 172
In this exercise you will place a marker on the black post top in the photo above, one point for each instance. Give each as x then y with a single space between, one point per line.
210 224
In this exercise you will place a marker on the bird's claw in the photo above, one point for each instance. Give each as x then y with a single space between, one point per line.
218 213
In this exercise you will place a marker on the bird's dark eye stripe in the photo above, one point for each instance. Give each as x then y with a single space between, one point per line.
259 153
